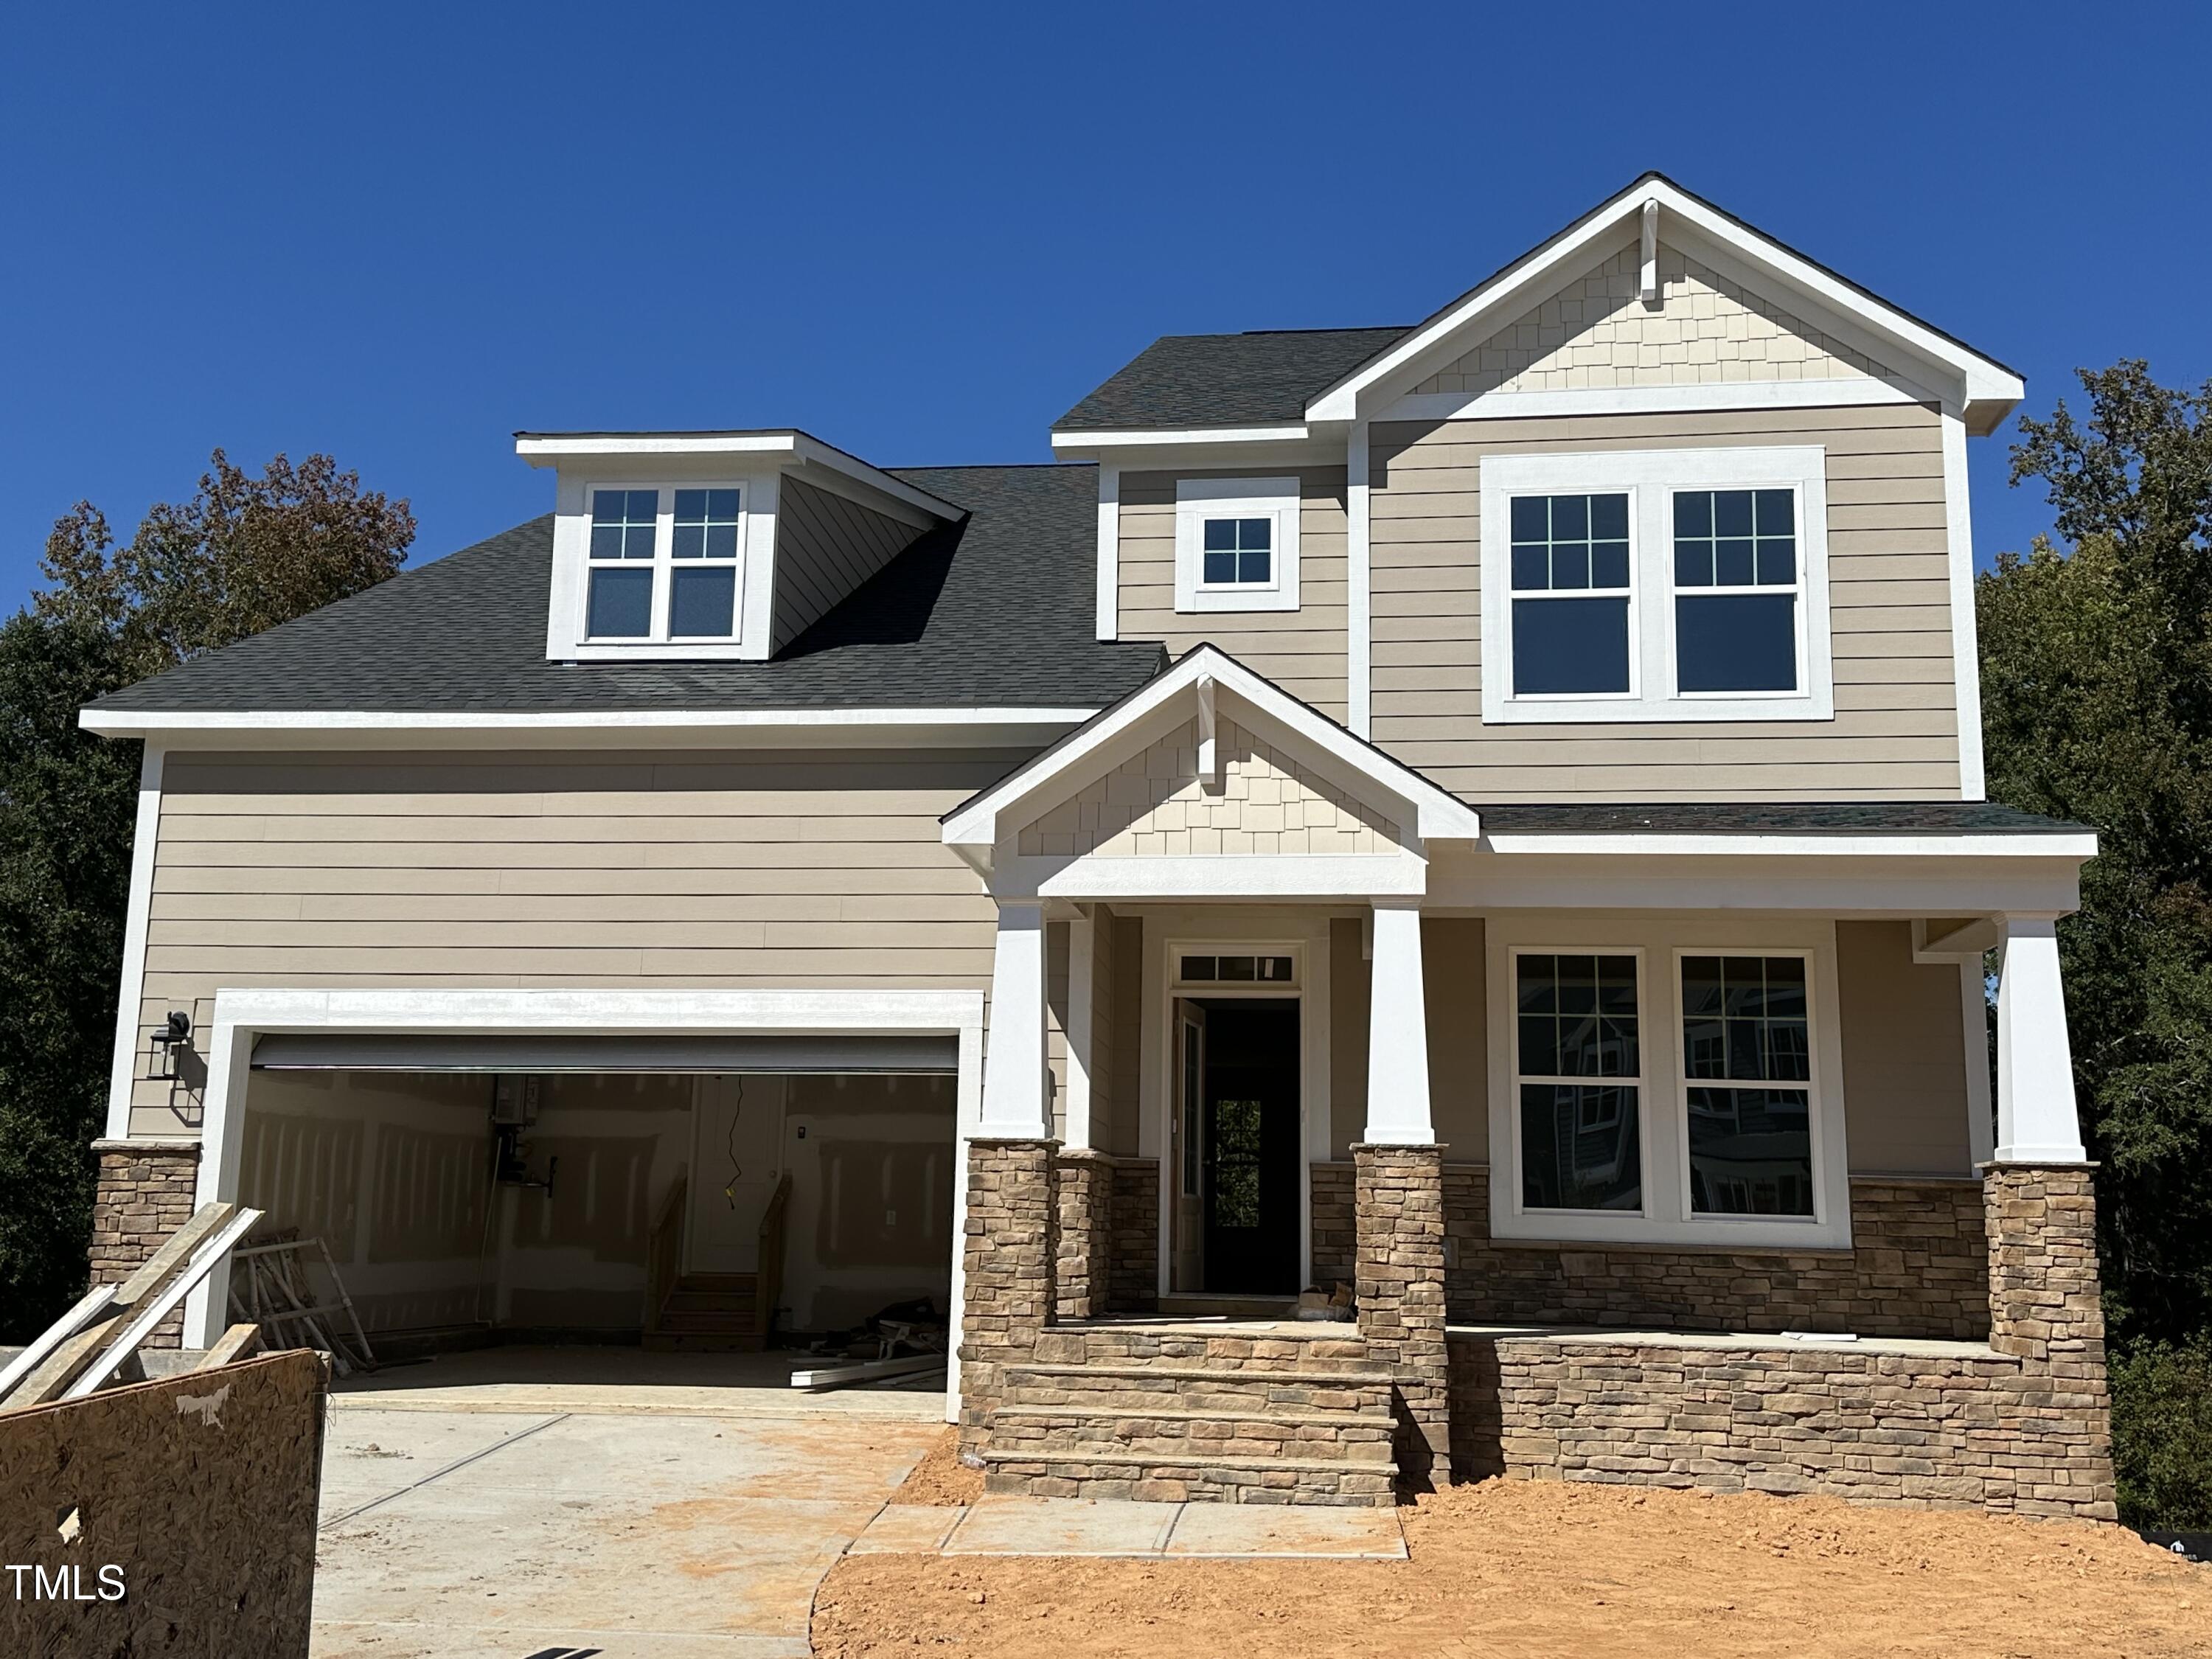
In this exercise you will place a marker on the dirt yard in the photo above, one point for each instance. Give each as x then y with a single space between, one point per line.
1536 1569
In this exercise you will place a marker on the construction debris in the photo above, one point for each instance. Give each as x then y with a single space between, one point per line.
277 1299
97 1341
908 1338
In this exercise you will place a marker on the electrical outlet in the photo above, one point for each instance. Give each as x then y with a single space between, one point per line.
890 1218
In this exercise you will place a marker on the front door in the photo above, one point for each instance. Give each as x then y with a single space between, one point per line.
1250 1147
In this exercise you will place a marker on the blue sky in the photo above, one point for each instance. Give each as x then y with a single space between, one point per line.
398 234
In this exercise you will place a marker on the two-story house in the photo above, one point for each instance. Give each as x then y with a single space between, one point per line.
1488 813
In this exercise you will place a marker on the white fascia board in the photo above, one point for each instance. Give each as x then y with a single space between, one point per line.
122 1071
1217 877
1965 647
2065 844
551 448
1893 888
596 1011
1439 816
1984 381
1076 443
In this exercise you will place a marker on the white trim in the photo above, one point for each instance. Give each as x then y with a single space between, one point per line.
241 1015
1359 595
1974 1028
1436 814
2060 844
1279 501
1984 383
1216 876
2038 1120
1650 477
1109 550
753 572
1647 252
130 994
1017 1078
1700 397
550 449
1078 441
1082 967
133 723
1399 1108
1965 655
1666 1217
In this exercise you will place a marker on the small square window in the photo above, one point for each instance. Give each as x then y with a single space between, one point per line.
1239 552
1237 545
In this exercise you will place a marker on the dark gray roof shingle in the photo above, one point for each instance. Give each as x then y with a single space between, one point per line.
1864 817
996 611
1225 379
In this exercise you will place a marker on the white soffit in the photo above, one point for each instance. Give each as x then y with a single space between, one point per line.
787 447
1985 388
1148 713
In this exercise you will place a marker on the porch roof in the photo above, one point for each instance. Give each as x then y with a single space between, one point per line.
1864 817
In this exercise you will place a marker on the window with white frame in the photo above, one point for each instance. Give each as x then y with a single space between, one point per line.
1237 545
662 563
1650 584
1655 1083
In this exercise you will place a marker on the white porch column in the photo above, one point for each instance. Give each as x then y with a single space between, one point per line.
1017 1104
1398 1032
2037 1122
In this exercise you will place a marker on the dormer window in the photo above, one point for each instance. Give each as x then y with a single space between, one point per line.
664 564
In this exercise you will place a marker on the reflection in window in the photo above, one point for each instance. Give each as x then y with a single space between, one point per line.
1571 550
1736 582
1236 1161
1578 1070
1745 1020
1235 970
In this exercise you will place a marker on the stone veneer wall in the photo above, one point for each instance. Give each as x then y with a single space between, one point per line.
1008 1256
1134 1273
1083 1202
1399 1206
145 1193
1917 1267
2021 1424
1335 1226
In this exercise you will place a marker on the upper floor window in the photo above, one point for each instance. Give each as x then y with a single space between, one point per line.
663 564
1237 545
1656 585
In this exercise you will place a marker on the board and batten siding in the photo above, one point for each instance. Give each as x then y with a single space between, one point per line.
1303 651
1895 732
825 547
772 870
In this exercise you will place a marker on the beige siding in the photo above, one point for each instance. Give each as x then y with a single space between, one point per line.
1104 1105
772 871
1597 331
1126 1064
1904 1076
1154 805
1303 651
825 547
1895 732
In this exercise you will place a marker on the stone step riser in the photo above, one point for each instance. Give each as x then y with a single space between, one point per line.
1066 1347
1271 1396
1246 1441
1363 1488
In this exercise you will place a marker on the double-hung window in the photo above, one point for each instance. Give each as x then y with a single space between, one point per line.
1656 585
1658 1082
662 564
1237 545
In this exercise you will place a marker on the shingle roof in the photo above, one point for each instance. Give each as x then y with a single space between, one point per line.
996 611
1225 379
1863 818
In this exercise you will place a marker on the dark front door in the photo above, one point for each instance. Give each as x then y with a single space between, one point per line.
1251 1148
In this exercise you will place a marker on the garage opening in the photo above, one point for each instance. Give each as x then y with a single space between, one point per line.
695 1192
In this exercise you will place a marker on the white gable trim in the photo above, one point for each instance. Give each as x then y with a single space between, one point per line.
1428 811
1984 388
1649 400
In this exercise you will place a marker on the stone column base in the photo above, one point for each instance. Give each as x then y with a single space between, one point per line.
145 1193
1399 1217
1083 1200
1011 1239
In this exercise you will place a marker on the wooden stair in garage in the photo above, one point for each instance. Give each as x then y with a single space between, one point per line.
711 1313
1266 1413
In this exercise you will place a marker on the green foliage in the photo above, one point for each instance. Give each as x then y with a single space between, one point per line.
2162 1434
2097 704
245 553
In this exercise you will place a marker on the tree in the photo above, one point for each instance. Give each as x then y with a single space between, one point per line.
243 554
2097 706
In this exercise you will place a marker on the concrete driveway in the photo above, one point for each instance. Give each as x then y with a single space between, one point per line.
533 1504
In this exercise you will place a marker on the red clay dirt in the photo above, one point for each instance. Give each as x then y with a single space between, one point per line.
1534 1570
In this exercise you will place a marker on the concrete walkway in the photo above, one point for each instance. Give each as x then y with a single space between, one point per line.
1075 1526
529 1504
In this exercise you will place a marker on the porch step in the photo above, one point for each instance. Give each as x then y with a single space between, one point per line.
1191 1305
710 1313
1127 1390
1266 1347
1206 1478
1361 1437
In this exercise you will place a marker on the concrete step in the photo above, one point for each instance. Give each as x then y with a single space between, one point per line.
1190 1478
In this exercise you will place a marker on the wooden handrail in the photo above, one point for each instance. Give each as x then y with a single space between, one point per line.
768 1287
664 1257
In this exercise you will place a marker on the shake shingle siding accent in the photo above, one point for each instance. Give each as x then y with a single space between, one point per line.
1225 379
996 612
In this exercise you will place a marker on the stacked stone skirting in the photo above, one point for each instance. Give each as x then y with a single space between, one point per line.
1398 1200
1133 1273
1335 1226
145 1193
1007 1265
2020 1425
1083 1200
1917 1267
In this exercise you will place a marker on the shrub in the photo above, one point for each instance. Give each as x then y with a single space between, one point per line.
2162 1434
